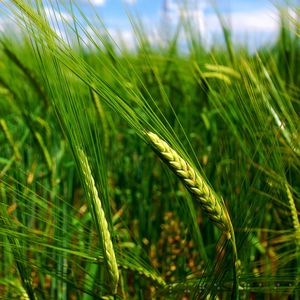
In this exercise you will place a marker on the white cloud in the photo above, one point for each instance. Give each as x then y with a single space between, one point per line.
124 38
245 22
9 27
240 21
256 25
193 11
253 28
98 2
56 16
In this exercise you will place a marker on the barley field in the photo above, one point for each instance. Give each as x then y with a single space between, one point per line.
153 173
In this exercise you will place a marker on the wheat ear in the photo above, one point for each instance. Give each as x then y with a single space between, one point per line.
194 182
200 190
293 208
145 273
101 223
10 139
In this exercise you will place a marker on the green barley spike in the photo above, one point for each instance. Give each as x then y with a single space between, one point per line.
101 223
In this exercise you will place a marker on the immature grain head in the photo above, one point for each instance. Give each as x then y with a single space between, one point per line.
108 249
194 182
294 212
145 273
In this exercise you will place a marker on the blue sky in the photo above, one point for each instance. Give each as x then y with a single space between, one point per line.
151 7
116 9
254 22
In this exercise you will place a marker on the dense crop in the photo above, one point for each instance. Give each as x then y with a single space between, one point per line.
88 210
